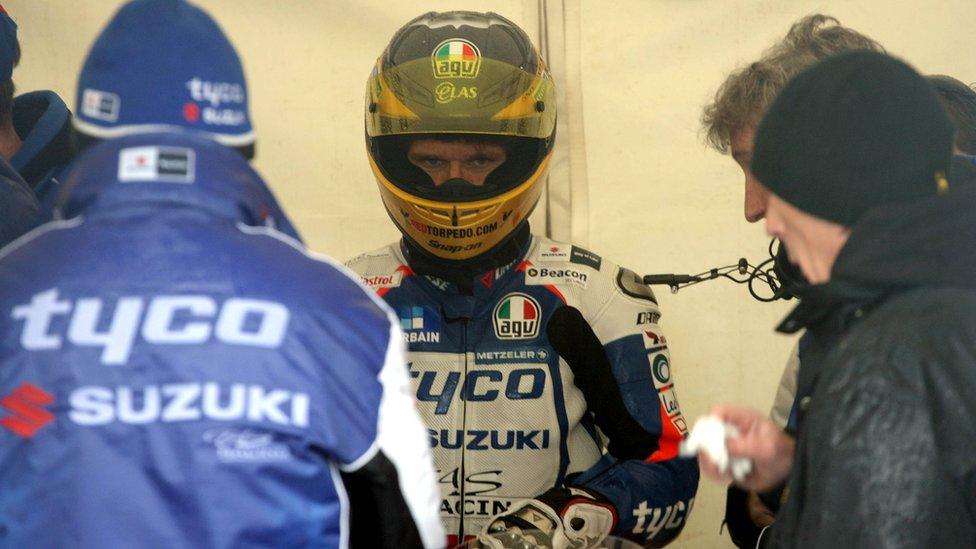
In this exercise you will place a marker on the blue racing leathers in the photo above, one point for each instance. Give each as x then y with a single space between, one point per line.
550 371
176 373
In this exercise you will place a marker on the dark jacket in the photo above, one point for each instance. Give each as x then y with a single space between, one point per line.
962 171
18 207
887 388
43 122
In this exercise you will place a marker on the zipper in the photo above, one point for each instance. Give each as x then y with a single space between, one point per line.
464 427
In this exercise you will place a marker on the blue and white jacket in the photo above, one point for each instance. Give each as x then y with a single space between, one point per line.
174 373
551 372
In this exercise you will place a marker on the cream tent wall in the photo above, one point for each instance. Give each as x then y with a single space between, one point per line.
639 187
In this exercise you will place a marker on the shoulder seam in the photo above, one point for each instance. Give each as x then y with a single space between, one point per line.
38 231
252 230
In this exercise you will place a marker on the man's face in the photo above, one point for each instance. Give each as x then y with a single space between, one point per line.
471 161
756 194
812 243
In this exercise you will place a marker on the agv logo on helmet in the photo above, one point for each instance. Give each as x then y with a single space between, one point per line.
456 58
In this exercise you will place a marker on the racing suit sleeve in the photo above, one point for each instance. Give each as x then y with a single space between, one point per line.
392 494
620 363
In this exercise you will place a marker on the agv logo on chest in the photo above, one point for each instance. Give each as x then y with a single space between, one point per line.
517 316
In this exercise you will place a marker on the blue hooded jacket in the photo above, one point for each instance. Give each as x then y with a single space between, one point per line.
176 373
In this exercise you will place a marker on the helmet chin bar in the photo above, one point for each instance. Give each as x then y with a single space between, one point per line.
513 246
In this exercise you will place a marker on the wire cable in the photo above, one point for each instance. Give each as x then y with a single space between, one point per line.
756 277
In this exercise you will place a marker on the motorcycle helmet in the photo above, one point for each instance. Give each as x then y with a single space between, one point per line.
460 76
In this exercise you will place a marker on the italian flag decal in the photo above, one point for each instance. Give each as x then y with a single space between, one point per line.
524 309
456 50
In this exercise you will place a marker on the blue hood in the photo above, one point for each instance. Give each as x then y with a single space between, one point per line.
170 168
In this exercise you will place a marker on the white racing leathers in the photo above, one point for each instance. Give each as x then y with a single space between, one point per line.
554 372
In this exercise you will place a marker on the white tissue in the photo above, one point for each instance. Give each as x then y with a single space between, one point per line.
709 435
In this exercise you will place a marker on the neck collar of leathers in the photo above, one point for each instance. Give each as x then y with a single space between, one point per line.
463 274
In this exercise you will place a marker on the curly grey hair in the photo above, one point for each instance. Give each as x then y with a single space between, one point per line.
743 98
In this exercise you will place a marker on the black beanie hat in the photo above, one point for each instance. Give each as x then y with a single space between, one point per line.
852 132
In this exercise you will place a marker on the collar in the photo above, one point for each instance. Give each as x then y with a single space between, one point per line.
168 169
466 275
833 307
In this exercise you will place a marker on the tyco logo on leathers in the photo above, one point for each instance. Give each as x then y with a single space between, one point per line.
478 386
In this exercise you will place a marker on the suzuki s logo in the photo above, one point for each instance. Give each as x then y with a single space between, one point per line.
517 317
159 320
26 404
